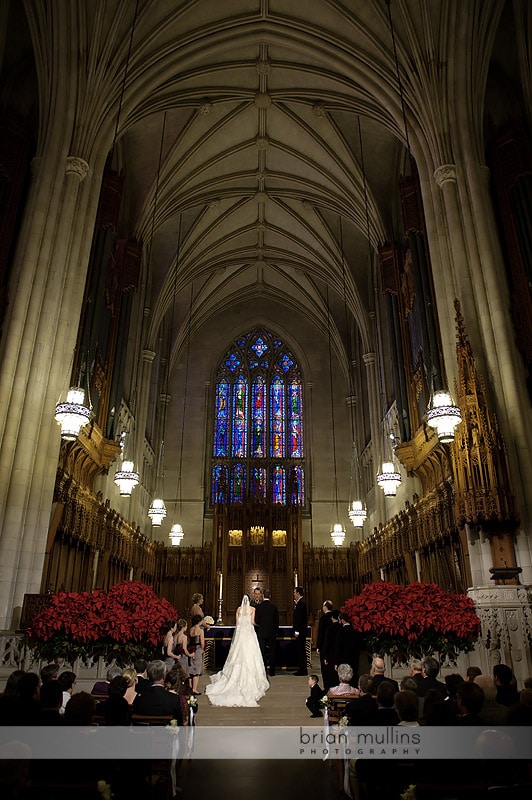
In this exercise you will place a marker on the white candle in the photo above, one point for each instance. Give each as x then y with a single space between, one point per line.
221 584
296 583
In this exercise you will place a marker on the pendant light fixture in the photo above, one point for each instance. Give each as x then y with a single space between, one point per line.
73 414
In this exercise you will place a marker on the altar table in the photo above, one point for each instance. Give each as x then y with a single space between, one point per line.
218 640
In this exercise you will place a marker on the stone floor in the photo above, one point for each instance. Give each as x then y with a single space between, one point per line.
283 704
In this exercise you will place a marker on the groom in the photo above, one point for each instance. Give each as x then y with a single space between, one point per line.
267 622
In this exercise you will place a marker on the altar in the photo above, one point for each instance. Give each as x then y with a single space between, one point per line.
218 640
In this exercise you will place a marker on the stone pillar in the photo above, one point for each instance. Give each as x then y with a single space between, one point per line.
370 361
506 636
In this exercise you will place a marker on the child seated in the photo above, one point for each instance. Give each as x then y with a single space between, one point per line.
316 693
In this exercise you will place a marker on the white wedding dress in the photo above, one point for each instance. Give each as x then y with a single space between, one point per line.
242 681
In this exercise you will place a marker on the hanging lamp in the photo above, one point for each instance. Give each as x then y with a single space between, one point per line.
443 415
73 414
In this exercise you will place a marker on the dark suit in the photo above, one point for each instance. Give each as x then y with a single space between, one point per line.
300 625
323 627
431 683
267 622
156 701
142 684
361 710
379 678
328 651
347 650
313 700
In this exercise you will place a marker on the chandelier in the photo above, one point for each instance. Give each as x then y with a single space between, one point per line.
443 415
73 414
157 512
338 534
176 534
388 479
126 479
357 514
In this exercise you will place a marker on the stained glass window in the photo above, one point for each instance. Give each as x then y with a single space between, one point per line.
258 432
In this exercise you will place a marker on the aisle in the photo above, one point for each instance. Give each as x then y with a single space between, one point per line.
283 704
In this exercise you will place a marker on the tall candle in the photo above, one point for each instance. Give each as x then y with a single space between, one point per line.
296 582
221 585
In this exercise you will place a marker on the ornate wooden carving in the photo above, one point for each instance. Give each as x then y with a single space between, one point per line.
483 488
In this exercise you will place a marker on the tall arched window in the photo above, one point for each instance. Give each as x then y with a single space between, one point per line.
258 442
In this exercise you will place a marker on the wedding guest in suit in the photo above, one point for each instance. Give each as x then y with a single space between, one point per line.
348 646
50 672
470 699
406 704
414 668
155 701
329 648
115 710
80 709
267 627
430 668
507 693
361 710
141 665
472 673
324 622
492 712
345 674
197 602
51 698
300 626
377 671
67 680
385 713
316 693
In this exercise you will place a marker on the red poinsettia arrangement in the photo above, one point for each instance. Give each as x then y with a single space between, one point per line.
124 623
413 619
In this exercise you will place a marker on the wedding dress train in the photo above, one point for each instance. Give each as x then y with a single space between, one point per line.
242 681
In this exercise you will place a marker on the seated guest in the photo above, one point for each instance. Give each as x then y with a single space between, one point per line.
345 675
316 693
452 682
155 701
385 713
102 687
470 699
414 666
492 712
115 710
408 683
431 698
49 672
9 698
362 709
438 712
527 684
377 671
51 699
430 668
28 705
174 683
521 713
67 681
79 709
407 706
141 665
471 673
130 674
507 693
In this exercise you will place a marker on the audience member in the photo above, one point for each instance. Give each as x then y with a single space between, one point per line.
492 712
130 674
28 707
49 672
141 665
385 713
408 683
414 666
80 709
377 671
472 673
155 701
406 704
10 698
345 676
361 710
452 682
521 713
51 700
507 693
430 668
527 684
316 693
470 699
102 687
174 682
67 681
437 711
115 710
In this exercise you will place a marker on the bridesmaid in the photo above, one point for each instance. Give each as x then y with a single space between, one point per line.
181 643
169 657
196 646
197 602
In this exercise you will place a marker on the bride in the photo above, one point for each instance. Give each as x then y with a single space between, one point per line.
243 679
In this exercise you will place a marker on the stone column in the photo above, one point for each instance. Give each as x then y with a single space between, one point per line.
370 361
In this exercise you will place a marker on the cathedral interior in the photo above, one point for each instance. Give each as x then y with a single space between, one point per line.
262 239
